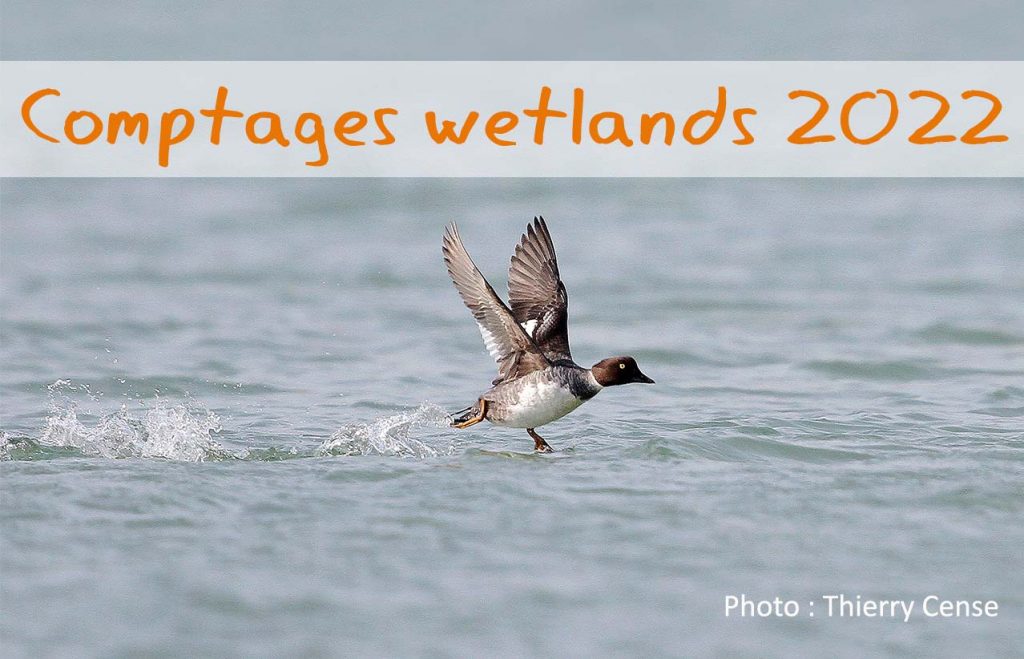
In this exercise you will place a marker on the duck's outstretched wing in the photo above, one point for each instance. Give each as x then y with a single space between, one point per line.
539 302
514 351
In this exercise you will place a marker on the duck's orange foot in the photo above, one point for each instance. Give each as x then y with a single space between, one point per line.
539 445
472 421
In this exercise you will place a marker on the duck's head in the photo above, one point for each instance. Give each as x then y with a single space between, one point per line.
618 370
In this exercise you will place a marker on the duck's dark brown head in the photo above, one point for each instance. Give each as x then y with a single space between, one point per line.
618 370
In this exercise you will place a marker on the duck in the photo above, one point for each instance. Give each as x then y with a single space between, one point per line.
538 382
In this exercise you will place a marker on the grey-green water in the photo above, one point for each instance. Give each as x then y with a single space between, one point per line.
222 406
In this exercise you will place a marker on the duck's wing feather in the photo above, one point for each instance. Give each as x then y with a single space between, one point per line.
538 298
515 353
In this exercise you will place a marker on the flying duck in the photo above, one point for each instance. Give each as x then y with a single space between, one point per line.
538 381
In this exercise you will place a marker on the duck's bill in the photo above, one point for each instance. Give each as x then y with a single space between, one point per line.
644 379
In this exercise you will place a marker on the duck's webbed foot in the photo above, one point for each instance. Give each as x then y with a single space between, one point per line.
464 422
539 445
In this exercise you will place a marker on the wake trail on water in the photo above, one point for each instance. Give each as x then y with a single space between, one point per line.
186 431
391 435
173 431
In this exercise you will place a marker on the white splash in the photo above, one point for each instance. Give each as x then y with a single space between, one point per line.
5 446
171 432
390 435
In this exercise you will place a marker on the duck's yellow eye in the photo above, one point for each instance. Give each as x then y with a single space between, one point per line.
622 365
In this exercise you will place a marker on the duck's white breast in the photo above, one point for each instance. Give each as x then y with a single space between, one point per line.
539 402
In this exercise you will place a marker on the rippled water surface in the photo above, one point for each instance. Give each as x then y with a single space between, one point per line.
224 419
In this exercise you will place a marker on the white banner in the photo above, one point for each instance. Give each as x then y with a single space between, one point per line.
545 119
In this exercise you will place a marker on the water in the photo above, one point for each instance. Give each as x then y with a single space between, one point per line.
223 415
531 30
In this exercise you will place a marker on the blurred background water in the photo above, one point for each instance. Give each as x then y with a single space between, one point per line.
223 414
525 30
